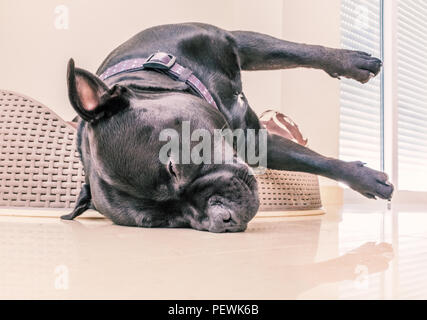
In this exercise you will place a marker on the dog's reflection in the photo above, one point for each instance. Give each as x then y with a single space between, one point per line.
302 270
357 265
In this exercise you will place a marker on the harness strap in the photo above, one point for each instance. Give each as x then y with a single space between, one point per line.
166 63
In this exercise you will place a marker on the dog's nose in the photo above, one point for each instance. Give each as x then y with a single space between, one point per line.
221 213
226 216
220 217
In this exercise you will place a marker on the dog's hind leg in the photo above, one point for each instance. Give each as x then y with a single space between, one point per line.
262 52
83 203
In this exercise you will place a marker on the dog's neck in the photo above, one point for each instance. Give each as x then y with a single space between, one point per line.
147 80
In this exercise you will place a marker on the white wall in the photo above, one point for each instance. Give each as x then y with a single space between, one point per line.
310 96
262 88
34 53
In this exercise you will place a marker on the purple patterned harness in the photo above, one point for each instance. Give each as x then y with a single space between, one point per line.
165 63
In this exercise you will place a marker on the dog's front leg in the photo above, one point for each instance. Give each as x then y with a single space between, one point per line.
83 203
283 154
262 52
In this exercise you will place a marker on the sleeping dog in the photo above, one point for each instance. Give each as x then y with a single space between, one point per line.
189 74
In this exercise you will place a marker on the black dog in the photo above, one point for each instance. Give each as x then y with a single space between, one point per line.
118 138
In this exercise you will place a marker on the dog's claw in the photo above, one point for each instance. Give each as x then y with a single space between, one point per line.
370 196
363 53
384 183
361 164
336 75
69 216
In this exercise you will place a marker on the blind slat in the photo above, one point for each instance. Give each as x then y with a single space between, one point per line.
412 94
360 130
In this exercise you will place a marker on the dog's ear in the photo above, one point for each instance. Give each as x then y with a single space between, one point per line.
90 96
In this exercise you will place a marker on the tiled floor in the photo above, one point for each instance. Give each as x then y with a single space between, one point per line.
345 254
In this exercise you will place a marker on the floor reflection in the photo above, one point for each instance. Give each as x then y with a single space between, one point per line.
356 254
356 265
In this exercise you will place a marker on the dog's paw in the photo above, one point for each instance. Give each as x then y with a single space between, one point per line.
356 65
369 182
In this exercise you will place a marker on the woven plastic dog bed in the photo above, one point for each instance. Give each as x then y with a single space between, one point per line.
40 167
39 164
287 192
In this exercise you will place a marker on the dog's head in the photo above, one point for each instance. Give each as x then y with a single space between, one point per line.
132 149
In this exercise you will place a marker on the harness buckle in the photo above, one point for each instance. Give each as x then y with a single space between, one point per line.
160 60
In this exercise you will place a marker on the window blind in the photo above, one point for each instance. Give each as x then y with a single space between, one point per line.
360 118
412 94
